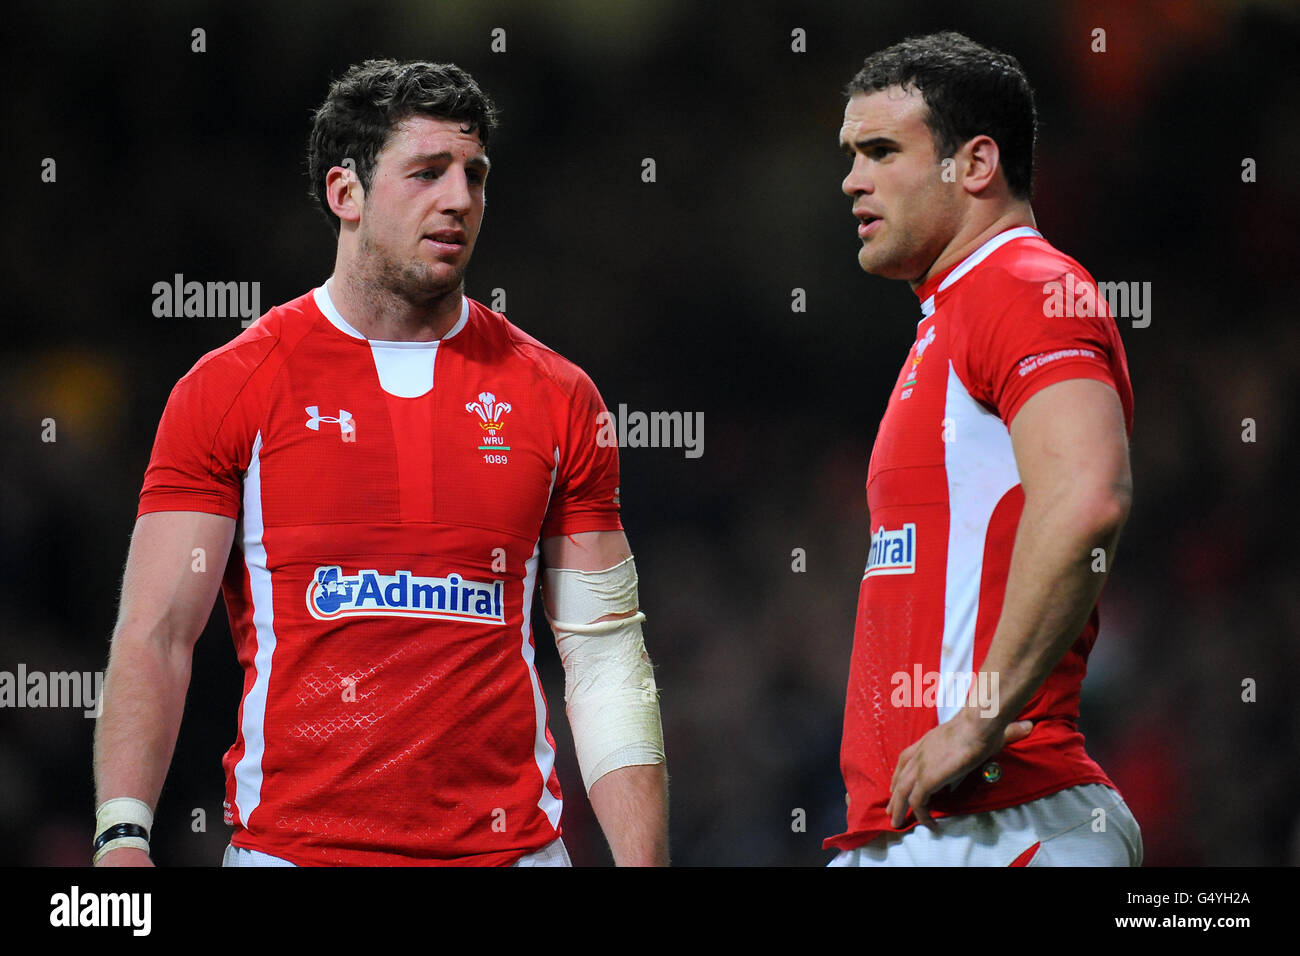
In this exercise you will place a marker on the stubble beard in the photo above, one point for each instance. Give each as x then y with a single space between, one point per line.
875 258
893 259
410 281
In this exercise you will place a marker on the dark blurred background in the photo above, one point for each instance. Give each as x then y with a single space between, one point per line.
676 295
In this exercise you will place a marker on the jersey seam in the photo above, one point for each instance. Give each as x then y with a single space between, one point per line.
278 343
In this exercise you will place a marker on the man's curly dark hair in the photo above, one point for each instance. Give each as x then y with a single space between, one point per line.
371 99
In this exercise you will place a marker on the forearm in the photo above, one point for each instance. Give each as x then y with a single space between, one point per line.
144 700
1051 589
631 805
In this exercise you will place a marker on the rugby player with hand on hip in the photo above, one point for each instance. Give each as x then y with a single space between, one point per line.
997 488
380 473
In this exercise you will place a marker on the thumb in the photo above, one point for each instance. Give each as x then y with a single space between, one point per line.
1017 730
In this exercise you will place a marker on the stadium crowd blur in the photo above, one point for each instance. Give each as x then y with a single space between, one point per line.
677 294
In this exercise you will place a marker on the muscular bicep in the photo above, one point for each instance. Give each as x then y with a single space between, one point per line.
173 572
1071 446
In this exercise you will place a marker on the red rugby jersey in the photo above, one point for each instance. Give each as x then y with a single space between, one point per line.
391 499
944 497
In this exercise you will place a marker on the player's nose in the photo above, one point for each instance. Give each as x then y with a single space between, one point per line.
855 182
456 196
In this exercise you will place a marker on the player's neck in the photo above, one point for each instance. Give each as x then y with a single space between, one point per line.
971 236
378 313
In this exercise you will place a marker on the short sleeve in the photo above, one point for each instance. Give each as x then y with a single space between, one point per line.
1037 334
585 497
199 454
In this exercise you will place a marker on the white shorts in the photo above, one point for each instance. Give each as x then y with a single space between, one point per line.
1089 825
553 854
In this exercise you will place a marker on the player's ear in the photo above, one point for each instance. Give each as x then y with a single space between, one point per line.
345 194
982 163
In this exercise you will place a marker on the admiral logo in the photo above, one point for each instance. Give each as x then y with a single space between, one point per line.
892 552
332 596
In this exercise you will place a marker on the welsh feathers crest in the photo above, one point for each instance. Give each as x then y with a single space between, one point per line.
489 411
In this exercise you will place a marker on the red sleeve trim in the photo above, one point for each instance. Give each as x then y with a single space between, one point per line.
214 504
1060 371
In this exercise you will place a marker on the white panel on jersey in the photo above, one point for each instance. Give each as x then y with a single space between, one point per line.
974 259
984 251
981 468
405 368
543 753
248 772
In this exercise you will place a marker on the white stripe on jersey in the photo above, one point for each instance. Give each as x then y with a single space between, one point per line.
248 772
981 468
983 252
543 753
974 259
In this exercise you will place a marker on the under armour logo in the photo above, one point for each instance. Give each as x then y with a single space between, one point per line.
347 427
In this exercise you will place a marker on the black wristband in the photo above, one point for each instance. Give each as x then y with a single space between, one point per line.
121 830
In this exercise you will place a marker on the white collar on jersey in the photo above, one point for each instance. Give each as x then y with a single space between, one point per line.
326 304
974 259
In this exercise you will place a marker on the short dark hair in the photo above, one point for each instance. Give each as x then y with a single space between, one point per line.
970 90
367 102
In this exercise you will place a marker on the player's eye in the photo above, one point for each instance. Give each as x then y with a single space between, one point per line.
429 174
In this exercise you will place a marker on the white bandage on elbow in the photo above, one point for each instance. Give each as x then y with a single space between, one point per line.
610 692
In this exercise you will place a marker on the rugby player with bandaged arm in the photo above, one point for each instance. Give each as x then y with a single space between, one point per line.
376 475
610 695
